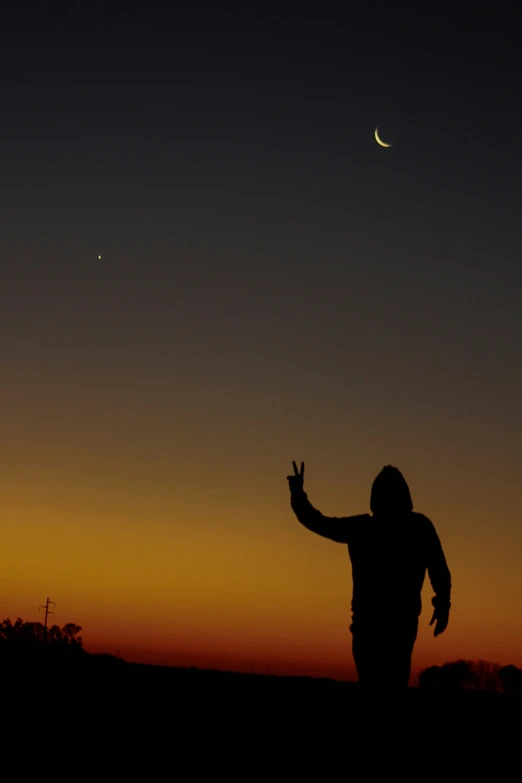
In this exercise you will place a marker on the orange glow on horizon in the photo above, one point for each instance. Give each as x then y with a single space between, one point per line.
229 592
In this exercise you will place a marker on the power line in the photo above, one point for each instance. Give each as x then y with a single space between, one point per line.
47 613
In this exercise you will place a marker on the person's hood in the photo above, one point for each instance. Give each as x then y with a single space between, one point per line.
390 493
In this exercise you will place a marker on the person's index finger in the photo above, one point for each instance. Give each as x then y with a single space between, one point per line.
302 469
295 468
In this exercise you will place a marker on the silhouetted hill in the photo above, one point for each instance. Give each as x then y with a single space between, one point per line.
201 681
225 721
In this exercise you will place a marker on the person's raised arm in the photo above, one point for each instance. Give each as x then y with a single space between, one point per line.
334 528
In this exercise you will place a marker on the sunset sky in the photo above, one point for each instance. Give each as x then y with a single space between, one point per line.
273 286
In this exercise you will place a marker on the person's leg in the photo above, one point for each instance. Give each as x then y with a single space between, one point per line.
362 659
401 641
382 653
369 656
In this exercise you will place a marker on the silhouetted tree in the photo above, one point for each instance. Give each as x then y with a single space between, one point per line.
485 676
455 675
25 641
70 633
472 675
510 679
55 635
430 678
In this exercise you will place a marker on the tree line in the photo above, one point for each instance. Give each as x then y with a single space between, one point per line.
472 675
27 641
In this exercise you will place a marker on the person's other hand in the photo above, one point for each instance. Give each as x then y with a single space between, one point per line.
441 616
295 482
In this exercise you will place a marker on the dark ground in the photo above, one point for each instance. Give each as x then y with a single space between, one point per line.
125 720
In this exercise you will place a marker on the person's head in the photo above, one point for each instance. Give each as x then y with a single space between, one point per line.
390 494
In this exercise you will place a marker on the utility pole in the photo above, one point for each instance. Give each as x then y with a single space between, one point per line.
47 613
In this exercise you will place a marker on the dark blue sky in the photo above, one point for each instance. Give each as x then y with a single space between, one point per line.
223 164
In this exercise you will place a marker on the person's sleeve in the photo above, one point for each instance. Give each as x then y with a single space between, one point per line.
336 529
438 571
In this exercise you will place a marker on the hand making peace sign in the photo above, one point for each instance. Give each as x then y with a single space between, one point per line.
295 482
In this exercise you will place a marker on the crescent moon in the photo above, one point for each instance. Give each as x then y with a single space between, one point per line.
377 139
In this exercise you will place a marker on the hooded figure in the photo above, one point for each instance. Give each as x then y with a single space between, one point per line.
390 550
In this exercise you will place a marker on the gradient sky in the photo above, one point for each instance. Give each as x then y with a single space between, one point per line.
273 285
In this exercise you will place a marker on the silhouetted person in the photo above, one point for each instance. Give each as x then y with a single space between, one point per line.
390 551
